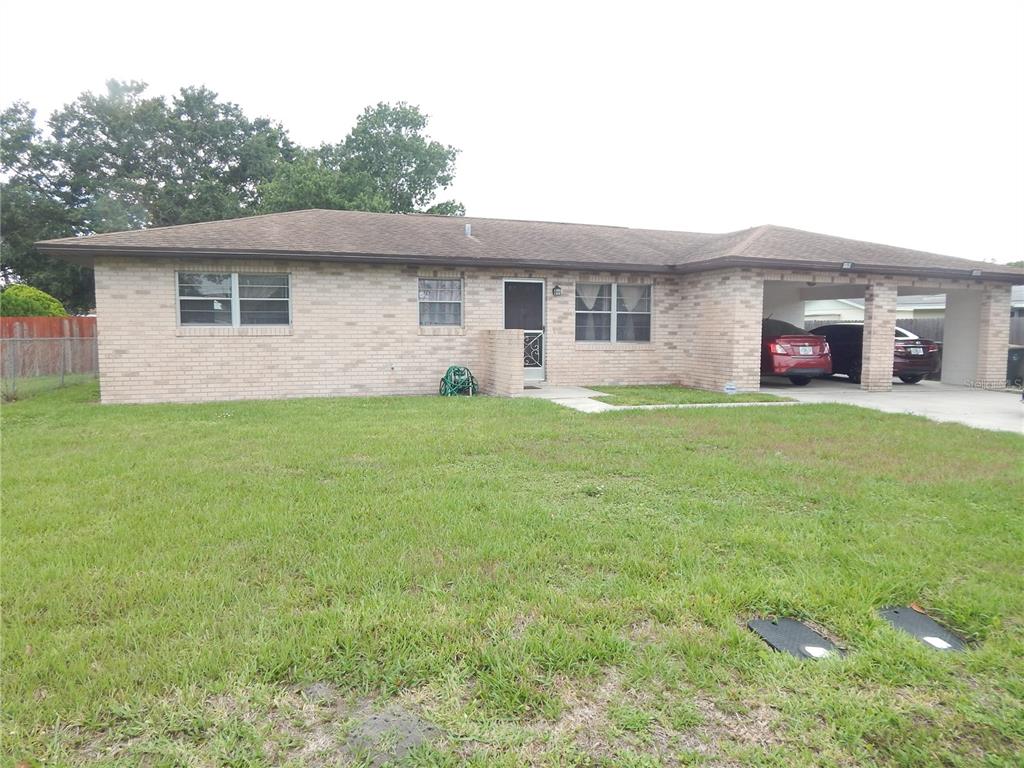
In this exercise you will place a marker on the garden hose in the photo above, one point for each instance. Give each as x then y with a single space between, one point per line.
458 381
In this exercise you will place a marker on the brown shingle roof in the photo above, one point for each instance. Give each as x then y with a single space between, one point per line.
359 236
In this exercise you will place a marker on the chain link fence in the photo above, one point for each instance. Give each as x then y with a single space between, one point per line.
31 365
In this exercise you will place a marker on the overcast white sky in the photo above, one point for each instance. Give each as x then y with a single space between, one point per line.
898 121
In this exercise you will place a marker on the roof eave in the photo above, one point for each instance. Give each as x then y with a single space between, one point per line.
756 262
83 254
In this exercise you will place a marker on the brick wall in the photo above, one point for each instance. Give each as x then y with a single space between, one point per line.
720 323
355 331
879 332
502 374
993 337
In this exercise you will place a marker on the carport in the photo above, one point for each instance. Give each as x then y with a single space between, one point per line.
977 321
779 269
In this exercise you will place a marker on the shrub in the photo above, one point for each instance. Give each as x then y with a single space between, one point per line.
26 301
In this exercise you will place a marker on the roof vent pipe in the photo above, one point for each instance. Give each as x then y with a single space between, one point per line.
469 230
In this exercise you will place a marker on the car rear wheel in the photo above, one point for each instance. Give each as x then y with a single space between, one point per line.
910 379
800 381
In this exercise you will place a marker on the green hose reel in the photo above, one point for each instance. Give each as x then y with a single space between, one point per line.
458 381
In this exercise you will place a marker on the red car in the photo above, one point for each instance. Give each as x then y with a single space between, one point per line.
793 352
913 357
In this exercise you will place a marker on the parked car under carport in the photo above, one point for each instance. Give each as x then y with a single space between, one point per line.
914 358
791 352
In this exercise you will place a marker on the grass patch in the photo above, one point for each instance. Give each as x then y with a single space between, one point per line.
672 395
540 585
21 389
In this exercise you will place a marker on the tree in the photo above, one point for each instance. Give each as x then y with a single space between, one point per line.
34 208
1019 264
388 144
26 301
317 180
386 163
130 161
123 161
447 208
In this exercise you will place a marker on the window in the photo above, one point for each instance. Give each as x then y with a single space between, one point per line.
632 320
593 312
204 299
233 299
607 311
263 299
440 302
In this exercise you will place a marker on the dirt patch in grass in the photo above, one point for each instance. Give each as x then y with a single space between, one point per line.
316 725
754 726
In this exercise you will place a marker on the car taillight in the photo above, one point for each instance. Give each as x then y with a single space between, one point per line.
779 349
825 349
931 347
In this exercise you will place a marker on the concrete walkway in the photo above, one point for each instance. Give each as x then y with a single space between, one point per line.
1001 411
581 399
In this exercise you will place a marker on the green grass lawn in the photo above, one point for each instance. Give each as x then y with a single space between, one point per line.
545 587
672 395
20 389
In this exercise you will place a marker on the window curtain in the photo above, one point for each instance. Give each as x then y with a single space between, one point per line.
440 301
593 325
633 321
440 313
587 294
633 298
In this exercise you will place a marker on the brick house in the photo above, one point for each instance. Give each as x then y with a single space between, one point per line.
320 303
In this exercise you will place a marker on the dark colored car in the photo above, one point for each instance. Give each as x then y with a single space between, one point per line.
792 352
913 358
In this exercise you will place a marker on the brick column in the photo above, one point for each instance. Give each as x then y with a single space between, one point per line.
879 337
502 374
993 337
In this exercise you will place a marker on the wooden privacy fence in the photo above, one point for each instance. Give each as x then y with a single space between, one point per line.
40 352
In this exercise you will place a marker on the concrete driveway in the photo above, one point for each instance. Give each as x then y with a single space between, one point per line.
1002 411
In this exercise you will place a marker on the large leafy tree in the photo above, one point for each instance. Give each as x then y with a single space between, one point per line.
385 163
318 179
130 161
33 207
123 160
120 160
388 144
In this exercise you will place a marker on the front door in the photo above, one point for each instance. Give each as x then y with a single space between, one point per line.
524 308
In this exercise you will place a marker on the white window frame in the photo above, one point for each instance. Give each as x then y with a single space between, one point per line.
235 300
461 302
613 334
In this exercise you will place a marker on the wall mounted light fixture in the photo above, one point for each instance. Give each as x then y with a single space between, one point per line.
556 291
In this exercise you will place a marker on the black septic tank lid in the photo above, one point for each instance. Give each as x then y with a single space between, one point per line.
923 627
795 638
